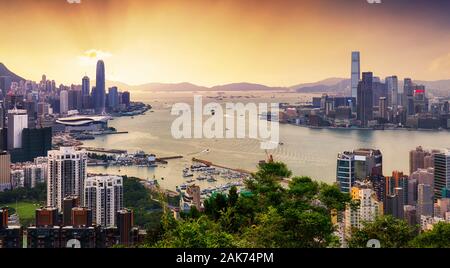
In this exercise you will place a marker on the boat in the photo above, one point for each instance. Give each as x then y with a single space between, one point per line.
211 180
190 181
187 174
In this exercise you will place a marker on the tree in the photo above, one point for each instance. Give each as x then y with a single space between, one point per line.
391 232
438 237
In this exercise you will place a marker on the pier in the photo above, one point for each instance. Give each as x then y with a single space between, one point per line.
208 163
103 150
163 160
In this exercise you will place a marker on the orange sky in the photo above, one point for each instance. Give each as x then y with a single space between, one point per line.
216 42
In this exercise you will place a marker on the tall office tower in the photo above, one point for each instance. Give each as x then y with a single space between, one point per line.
69 203
425 202
126 98
442 207
5 171
410 215
441 173
420 101
392 91
100 88
368 163
424 176
47 217
17 122
345 174
394 204
368 210
75 100
64 102
398 180
412 191
417 159
383 108
356 73
104 196
365 99
66 175
85 86
408 96
113 98
379 90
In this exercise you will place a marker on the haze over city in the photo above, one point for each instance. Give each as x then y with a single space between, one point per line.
277 43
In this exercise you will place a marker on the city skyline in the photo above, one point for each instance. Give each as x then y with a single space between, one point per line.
228 41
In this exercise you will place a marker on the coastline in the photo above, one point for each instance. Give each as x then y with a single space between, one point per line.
370 129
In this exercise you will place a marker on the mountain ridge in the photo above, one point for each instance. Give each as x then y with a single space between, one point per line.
333 85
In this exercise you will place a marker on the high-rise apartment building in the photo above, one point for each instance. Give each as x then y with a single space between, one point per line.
368 207
104 196
64 102
66 175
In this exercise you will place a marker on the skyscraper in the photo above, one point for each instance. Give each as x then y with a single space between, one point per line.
100 88
417 159
356 73
85 86
368 163
365 99
441 172
345 174
392 91
5 171
125 222
17 122
113 98
408 96
383 108
425 202
104 196
66 175
126 98
64 102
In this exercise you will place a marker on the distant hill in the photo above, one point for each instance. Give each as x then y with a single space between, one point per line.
246 87
331 85
192 87
4 71
436 88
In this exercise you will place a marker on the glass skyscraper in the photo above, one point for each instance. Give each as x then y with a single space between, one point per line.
356 73
100 88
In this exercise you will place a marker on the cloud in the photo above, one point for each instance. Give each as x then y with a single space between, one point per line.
441 64
90 57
